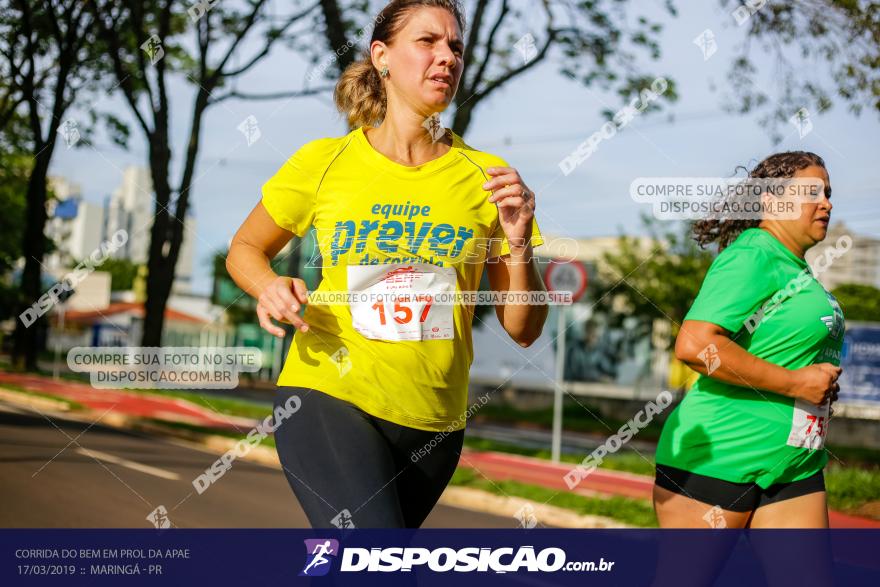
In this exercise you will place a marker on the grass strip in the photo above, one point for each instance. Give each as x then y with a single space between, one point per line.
635 512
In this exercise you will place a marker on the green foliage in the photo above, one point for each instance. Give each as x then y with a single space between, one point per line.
15 169
14 172
849 488
858 302
240 308
838 35
660 280
636 512
122 273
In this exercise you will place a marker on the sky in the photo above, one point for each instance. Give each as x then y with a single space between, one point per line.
533 122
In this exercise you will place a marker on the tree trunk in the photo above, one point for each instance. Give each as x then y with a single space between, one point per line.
462 118
335 33
160 266
26 343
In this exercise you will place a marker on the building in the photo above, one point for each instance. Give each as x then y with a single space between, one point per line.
131 208
860 264
75 225
79 227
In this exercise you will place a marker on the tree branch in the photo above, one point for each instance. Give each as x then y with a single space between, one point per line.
473 39
248 23
28 82
138 26
271 95
122 77
164 29
335 33
551 36
267 47
489 44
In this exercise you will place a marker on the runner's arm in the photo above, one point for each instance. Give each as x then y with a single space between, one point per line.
518 272
257 241
694 347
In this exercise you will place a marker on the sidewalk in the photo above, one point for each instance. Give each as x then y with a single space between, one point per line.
494 465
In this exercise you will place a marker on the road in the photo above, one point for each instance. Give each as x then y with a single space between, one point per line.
64 474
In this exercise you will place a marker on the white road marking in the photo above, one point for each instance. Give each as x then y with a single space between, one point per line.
103 456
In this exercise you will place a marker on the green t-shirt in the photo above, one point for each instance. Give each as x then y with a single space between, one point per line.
774 308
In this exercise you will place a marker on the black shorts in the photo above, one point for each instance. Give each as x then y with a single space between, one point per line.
734 497
351 469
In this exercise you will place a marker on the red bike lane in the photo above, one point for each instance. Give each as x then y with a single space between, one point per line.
137 404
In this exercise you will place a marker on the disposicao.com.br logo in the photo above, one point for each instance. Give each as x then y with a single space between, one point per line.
443 559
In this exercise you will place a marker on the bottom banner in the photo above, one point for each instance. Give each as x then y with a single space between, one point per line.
441 557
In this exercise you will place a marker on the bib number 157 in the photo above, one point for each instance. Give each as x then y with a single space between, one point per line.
402 313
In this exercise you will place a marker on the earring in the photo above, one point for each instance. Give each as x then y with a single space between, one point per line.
384 71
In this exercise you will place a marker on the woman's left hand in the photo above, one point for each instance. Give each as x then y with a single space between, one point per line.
832 397
515 201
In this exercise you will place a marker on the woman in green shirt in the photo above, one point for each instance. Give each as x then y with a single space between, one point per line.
745 448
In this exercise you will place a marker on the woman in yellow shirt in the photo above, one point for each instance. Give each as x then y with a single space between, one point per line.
405 213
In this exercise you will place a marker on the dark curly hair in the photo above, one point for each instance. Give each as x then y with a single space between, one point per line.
725 231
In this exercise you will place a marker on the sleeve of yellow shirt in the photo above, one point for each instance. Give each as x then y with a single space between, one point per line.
289 196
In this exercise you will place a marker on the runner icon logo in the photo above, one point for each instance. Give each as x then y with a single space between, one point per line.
715 517
343 520
318 553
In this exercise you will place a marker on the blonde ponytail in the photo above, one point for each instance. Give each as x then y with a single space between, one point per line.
360 94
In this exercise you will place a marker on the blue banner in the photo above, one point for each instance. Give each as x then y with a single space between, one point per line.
441 557
860 380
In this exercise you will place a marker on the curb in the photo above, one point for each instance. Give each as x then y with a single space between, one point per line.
33 401
460 497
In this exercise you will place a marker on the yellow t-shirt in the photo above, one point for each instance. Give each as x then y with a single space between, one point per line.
370 214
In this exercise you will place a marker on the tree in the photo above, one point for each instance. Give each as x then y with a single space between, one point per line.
49 58
146 45
597 43
122 273
843 35
661 279
594 39
859 302
593 42
15 168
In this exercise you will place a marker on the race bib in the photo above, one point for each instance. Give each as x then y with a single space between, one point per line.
809 425
396 301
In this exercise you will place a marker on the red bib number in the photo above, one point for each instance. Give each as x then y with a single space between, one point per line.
809 425
397 301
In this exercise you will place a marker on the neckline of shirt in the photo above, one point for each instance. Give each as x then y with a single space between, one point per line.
781 247
387 164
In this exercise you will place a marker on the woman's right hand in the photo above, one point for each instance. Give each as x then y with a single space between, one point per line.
815 383
281 299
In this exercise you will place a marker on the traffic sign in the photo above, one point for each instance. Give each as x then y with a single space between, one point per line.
567 276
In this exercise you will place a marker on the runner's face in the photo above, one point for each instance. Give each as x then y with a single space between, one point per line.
425 60
812 226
